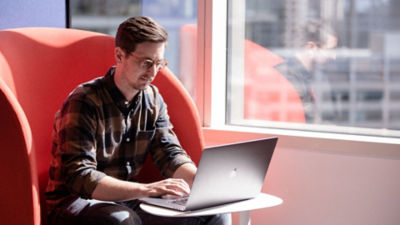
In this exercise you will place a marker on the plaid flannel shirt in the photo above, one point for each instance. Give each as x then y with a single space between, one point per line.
306 84
301 79
98 133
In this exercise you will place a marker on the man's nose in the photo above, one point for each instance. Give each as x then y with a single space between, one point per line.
152 71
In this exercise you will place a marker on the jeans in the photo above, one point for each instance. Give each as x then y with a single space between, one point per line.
93 212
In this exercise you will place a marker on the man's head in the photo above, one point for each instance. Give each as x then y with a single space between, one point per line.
318 40
139 53
136 30
316 31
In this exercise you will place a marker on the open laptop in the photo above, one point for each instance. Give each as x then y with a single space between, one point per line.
226 173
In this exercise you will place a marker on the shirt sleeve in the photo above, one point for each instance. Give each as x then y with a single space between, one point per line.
167 153
74 138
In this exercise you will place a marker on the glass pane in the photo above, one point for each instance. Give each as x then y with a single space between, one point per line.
179 17
333 62
21 13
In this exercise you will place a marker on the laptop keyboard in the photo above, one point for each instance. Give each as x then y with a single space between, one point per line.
179 201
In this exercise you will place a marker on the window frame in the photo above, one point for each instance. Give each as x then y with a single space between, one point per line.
211 49
212 92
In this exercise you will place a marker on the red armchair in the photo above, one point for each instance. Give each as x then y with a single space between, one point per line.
38 68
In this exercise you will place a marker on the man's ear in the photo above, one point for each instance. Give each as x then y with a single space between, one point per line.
119 54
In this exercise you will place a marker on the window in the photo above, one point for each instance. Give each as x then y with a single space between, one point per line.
322 65
178 17
351 82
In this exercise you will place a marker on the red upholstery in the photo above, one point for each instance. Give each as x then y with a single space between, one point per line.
268 95
19 184
40 66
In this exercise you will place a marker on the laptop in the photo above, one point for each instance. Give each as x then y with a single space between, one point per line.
226 173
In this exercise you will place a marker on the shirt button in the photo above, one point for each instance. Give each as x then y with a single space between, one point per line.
128 139
126 103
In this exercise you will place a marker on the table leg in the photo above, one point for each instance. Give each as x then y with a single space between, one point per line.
244 218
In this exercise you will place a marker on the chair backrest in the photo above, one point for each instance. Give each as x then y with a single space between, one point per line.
19 192
43 65
268 94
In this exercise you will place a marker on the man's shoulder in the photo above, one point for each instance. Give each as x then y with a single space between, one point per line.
292 69
87 91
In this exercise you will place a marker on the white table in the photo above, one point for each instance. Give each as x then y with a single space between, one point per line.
243 207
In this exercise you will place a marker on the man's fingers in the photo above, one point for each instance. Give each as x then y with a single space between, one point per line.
182 186
171 186
177 186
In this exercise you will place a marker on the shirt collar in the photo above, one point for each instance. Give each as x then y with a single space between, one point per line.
117 96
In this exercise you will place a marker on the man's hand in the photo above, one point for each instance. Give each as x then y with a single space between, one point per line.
112 189
171 186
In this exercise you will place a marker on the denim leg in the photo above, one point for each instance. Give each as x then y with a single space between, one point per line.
108 213
93 212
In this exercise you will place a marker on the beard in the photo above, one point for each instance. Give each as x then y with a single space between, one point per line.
143 82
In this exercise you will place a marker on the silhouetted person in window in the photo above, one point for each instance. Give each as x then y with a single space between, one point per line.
302 69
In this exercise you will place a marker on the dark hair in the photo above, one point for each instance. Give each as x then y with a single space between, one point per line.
316 31
136 30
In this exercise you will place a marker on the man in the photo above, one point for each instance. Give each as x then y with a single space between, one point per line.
315 48
104 132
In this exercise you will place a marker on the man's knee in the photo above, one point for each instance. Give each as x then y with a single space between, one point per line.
110 214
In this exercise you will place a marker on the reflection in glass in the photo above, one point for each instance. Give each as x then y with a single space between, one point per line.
329 62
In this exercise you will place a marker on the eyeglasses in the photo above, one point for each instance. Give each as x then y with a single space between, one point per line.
146 63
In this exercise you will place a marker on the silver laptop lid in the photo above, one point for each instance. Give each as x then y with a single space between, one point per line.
231 172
